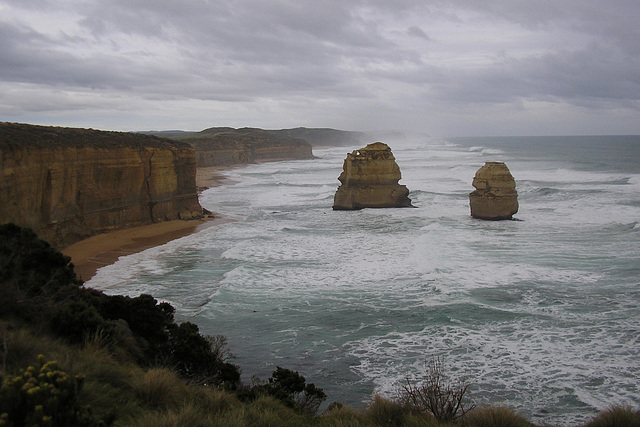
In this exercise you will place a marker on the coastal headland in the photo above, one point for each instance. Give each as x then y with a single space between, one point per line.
99 195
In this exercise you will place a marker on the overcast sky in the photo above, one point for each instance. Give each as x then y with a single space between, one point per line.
445 67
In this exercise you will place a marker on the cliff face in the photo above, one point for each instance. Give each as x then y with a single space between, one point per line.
68 184
227 146
369 179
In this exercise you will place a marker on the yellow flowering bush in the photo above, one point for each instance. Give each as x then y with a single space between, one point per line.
44 396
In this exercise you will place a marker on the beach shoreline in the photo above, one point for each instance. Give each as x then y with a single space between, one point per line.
104 249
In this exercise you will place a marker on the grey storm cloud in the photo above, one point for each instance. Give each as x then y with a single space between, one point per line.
444 67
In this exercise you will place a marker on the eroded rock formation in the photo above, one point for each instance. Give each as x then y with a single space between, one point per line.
495 197
68 184
369 179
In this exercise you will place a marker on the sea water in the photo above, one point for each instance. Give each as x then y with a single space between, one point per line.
541 314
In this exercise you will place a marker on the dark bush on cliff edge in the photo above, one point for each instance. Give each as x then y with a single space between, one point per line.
39 289
290 388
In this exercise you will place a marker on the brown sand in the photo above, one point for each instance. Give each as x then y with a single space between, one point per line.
104 249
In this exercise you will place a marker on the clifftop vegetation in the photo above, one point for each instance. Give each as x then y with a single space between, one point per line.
15 135
314 136
229 138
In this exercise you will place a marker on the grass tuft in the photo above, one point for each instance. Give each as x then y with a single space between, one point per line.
495 417
616 417
160 388
384 412
342 416
188 415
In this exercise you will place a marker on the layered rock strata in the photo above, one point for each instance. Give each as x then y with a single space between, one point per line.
68 184
495 197
369 179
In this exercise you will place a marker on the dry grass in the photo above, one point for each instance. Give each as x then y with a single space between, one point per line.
215 401
495 417
342 416
188 415
160 388
384 412
616 417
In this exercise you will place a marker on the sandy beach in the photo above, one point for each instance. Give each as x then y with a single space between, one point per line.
104 249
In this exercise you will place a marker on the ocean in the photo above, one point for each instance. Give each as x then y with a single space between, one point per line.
541 314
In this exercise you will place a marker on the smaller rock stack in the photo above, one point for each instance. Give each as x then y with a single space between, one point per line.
369 179
495 197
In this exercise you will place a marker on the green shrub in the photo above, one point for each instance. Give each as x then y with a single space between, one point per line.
44 396
291 389
616 417
31 272
76 320
194 358
39 288
495 417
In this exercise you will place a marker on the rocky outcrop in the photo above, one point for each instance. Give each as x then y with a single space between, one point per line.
495 197
68 184
228 146
369 179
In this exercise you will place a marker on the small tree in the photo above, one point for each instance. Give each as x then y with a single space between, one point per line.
436 394
291 389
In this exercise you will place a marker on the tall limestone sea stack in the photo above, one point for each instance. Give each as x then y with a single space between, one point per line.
495 197
369 179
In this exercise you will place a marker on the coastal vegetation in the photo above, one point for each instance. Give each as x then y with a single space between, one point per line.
314 136
74 356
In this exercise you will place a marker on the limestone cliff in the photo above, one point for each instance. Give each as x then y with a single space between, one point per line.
68 184
495 197
228 146
369 179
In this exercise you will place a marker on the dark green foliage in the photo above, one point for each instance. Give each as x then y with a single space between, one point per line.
291 389
39 288
19 135
42 397
75 320
150 322
144 315
193 357
31 272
